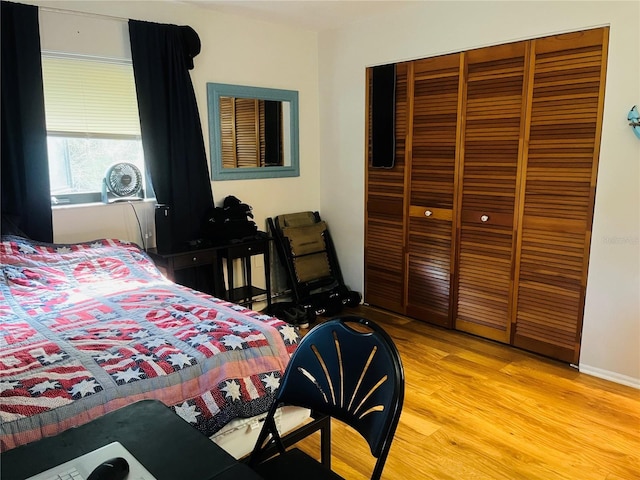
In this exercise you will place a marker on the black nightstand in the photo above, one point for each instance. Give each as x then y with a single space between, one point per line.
212 256
173 262
246 294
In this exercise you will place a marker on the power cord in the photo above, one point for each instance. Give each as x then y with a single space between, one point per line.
144 246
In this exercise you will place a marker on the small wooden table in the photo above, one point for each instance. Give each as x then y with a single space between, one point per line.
245 294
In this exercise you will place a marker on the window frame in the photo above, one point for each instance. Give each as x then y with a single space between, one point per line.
94 197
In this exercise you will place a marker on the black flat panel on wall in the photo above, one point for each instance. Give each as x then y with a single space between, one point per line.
383 116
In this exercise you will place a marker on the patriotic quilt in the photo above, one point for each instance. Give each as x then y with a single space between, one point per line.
88 328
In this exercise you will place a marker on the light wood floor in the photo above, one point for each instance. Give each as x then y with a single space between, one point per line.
475 409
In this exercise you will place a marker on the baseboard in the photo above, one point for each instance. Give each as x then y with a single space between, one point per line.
611 376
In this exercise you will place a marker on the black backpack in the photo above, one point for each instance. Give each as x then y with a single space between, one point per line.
229 223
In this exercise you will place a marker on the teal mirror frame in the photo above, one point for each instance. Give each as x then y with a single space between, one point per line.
217 90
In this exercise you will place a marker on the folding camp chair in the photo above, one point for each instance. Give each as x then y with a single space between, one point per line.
305 248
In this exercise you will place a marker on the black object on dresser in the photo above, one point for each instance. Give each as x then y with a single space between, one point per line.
164 241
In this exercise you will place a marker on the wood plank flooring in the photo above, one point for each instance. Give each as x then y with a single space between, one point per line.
475 409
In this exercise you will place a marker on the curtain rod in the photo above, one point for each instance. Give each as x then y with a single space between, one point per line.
83 14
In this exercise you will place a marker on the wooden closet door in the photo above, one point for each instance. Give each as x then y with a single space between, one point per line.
434 88
385 213
493 111
568 74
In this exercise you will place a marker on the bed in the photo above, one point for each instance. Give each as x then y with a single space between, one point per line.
91 327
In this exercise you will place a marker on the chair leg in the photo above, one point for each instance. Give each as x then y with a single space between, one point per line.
320 423
325 441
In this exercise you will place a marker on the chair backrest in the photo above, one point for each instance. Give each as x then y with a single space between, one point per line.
305 237
350 369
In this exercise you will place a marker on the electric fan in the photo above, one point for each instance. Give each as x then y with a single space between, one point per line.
122 182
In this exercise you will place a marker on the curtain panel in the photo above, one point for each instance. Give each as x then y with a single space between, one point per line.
170 125
26 196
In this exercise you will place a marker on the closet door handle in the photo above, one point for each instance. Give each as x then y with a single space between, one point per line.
484 218
428 213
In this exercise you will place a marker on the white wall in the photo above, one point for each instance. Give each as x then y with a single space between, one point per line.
611 333
235 50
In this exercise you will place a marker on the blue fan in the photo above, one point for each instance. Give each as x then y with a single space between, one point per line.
634 120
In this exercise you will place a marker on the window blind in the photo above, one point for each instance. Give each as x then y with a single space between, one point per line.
89 96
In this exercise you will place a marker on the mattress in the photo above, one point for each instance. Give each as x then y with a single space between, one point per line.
239 436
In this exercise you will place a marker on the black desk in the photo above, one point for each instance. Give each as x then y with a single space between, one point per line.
164 443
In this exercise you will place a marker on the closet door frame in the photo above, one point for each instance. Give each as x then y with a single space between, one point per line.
544 223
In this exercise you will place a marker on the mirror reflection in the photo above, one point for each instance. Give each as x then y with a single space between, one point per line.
253 132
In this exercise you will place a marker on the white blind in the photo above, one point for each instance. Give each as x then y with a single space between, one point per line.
89 96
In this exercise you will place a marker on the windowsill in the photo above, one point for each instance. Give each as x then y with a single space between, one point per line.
67 206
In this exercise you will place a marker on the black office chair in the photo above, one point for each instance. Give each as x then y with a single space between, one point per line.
348 369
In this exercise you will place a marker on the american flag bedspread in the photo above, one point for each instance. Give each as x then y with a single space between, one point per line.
88 328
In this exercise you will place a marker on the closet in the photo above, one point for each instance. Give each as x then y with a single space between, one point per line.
483 224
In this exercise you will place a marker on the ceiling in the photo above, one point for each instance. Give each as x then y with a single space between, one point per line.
315 15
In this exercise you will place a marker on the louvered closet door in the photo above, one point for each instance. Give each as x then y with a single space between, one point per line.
385 222
492 118
431 188
564 138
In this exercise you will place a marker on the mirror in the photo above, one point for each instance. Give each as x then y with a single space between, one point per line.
253 132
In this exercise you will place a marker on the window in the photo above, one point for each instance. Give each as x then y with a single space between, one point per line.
92 122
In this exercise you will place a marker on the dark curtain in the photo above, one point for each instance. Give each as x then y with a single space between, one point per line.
170 125
26 196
